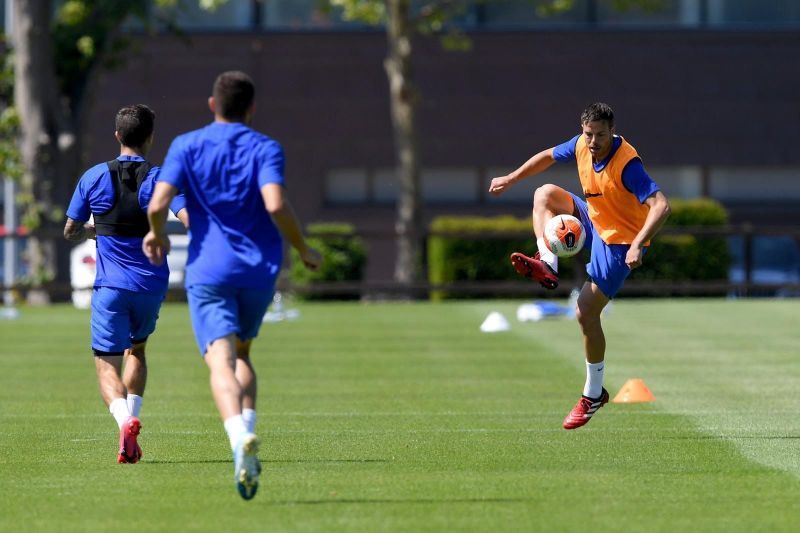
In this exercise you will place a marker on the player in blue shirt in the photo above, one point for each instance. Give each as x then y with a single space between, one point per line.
236 198
128 290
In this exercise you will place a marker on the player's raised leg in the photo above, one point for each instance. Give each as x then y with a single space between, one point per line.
591 302
548 201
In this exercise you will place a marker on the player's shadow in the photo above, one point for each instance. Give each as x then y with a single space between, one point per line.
399 501
275 461
733 437
184 461
326 461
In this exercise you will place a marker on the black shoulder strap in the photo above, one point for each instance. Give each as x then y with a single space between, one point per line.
125 218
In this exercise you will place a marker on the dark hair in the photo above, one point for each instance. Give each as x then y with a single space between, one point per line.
598 111
135 123
233 93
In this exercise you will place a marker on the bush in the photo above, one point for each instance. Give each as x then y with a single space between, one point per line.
477 249
344 254
688 257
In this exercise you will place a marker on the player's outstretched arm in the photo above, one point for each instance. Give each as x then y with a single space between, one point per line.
658 214
536 164
282 213
156 243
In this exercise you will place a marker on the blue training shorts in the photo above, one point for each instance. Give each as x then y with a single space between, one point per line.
219 311
606 267
121 318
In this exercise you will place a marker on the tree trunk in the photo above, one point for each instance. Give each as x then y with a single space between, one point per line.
403 96
48 142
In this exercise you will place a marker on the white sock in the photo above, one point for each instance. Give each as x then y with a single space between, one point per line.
235 428
546 255
134 404
249 417
594 379
119 408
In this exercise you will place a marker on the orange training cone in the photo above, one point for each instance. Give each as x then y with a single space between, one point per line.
634 391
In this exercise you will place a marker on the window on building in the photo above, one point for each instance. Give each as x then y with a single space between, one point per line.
347 186
382 186
523 14
450 185
678 181
753 13
753 184
656 13
385 186
232 15
301 15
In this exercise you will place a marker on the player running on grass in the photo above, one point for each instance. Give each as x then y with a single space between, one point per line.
623 210
233 178
128 290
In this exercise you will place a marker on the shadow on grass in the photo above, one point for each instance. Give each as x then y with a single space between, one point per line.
734 437
184 461
326 461
428 501
275 461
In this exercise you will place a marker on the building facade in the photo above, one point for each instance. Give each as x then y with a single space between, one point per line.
705 89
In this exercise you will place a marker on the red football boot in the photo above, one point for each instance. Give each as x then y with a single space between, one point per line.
535 269
584 409
129 450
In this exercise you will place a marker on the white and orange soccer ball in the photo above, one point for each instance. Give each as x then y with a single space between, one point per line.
564 235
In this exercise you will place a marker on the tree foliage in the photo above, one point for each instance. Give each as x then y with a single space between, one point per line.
53 91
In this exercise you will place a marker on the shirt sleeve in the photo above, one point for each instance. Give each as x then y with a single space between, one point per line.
79 209
637 181
177 203
173 171
566 151
272 166
148 188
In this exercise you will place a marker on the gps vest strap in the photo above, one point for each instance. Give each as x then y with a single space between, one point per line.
126 218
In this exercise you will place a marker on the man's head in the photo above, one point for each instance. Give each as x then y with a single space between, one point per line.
597 122
233 96
134 126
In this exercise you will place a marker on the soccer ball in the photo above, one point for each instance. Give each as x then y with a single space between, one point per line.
564 235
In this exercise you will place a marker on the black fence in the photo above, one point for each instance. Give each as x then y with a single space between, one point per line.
744 280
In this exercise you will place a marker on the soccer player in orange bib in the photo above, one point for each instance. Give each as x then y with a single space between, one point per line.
623 209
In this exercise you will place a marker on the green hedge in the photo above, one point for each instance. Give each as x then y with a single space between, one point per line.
344 258
475 255
688 257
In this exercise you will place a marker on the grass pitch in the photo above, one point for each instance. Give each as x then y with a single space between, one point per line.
404 417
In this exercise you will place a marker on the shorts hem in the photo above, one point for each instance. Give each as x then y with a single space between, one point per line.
103 353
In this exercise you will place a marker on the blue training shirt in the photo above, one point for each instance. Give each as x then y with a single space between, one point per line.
634 176
222 168
121 263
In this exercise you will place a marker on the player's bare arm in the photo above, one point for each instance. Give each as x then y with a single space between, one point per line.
75 231
156 243
659 211
183 216
282 213
536 164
